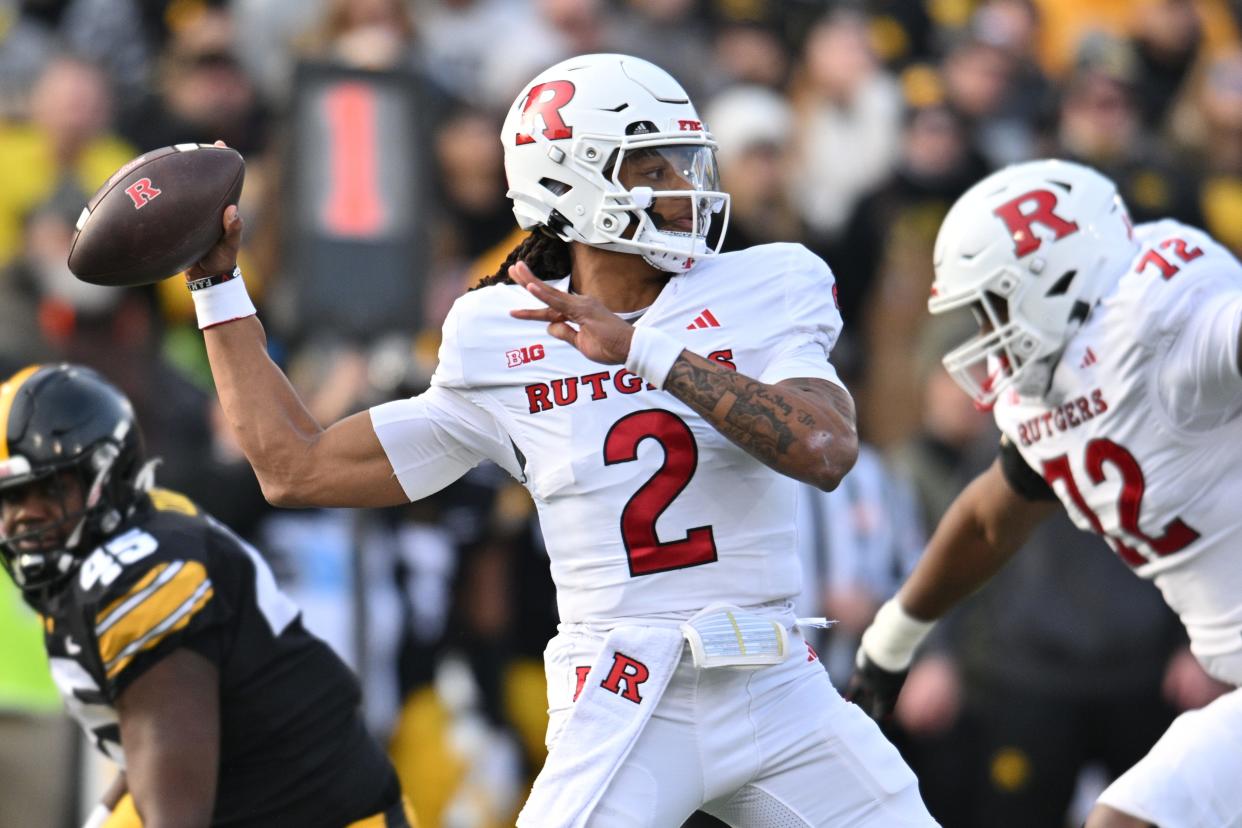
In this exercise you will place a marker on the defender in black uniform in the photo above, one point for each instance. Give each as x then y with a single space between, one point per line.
167 635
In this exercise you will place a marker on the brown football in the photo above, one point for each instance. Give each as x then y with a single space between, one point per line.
156 216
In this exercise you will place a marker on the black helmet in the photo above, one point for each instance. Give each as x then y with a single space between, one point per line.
57 418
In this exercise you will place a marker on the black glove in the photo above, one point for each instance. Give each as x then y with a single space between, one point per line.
874 689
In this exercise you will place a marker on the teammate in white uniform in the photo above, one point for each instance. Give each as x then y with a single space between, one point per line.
658 401
1111 354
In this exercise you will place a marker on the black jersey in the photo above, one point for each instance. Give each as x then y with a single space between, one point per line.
293 747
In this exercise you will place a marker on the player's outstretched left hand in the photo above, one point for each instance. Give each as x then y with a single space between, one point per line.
874 689
581 321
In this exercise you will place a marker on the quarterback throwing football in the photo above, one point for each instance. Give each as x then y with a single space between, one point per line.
1111 356
659 401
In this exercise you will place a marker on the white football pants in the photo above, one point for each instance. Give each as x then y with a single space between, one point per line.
1192 776
775 747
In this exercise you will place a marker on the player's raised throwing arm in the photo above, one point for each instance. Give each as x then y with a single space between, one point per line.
298 462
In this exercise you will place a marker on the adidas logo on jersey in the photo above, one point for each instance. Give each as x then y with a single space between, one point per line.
1088 358
703 320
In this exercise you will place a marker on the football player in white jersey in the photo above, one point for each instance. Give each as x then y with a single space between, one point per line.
660 402
1111 356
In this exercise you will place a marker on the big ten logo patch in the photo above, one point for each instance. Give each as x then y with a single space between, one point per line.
521 356
142 192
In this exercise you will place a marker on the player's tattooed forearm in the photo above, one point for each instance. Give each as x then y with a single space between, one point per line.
754 417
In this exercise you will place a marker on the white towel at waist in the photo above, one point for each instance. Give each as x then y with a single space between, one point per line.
604 725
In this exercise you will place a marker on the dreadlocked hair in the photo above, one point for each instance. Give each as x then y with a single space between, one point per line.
545 254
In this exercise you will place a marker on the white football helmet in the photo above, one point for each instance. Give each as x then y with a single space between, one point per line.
570 132
1029 249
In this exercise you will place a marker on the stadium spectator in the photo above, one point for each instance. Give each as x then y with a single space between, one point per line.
1100 124
200 92
1207 128
847 123
66 145
473 216
886 262
749 52
753 125
1167 38
38 293
375 35
472 49
982 72
112 34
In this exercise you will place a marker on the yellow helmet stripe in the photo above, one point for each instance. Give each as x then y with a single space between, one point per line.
8 393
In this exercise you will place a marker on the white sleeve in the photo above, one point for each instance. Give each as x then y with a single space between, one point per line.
811 320
1199 381
436 437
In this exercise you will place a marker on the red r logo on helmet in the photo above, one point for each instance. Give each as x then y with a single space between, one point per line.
545 101
1035 207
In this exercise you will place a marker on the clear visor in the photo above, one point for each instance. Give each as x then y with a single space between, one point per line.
667 167
665 200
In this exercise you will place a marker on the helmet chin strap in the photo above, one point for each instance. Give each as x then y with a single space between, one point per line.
144 481
1036 378
668 261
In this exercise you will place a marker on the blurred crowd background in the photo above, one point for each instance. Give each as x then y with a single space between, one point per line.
375 195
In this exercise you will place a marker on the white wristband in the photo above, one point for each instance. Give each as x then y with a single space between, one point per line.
97 817
224 301
893 637
652 354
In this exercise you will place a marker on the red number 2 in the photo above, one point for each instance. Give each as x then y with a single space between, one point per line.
646 552
1175 536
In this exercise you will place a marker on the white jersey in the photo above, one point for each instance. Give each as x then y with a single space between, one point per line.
1140 436
646 509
